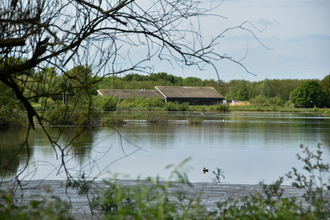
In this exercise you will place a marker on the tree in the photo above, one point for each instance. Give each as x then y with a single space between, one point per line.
239 90
267 89
242 90
99 35
192 81
109 103
309 94
325 84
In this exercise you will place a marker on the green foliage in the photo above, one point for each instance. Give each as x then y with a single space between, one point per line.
259 100
327 112
11 117
270 204
195 120
171 106
325 84
235 89
266 101
137 102
293 96
239 90
82 75
288 103
10 109
192 81
158 117
111 119
317 189
266 92
109 103
152 77
220 108
175 106
68 115
46 102
309 94
151 199
218 175
266 88
44 208
275 101
155 102
257 206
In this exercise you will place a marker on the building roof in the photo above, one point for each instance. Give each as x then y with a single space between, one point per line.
127 93
188 92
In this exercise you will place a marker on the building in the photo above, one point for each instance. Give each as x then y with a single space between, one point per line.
127 93
193 95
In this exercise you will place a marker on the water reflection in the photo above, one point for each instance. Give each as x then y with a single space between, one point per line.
249 147
13 150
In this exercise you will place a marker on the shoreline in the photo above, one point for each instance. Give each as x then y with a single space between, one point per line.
210 193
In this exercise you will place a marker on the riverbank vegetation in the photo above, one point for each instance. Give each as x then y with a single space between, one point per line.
153 199
195 120
85 107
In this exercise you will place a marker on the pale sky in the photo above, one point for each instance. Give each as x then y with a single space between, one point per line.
298 32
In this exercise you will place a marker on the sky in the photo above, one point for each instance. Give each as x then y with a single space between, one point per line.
295 41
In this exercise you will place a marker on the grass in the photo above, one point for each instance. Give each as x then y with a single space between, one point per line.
257 108
327 112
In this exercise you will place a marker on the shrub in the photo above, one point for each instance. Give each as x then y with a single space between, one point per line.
259 100
44 208
309 94
154 102
171 106
221 108
183 107
280 102
270 204
111 120
46 103
327 112
66 115
275 101
140 102
151 201
316 187
195 120
109 103
288 103
158 117
175 106
10 117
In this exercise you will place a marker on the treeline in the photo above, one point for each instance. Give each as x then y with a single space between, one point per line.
268 91
78 85
136 81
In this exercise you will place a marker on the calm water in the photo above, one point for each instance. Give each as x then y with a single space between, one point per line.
249 147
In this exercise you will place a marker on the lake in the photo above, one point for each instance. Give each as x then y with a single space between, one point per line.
248 147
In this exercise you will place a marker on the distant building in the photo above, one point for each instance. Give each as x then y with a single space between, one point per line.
193 95
128 93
